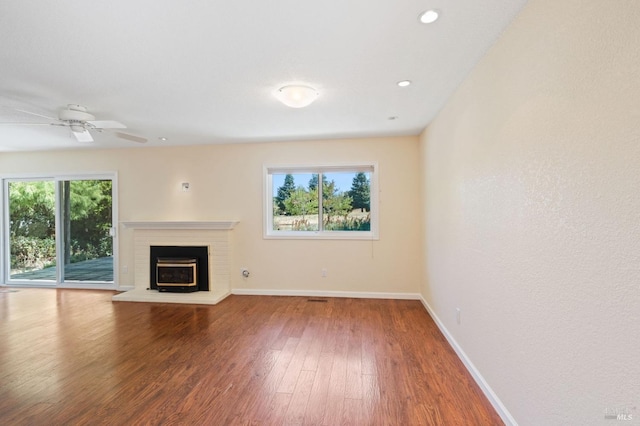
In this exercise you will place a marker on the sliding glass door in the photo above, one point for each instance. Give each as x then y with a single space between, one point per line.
86 223
59 231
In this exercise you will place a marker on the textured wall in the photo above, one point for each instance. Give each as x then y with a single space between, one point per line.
531 176
227 184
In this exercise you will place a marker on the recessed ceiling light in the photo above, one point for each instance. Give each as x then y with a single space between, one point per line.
429 17
404 83
393 117
297 96
162 138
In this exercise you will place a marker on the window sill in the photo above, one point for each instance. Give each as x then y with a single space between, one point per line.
311 235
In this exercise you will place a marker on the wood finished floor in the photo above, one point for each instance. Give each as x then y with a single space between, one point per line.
72 357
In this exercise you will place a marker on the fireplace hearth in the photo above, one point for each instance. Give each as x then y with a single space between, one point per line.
179 269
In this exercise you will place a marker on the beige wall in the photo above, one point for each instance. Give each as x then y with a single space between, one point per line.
531 176
227 184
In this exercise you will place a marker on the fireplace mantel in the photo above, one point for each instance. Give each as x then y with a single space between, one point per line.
215 224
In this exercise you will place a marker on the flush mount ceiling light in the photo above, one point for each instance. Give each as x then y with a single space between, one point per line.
297 96
429 17
404 83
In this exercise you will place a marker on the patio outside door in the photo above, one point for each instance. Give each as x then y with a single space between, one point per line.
60 231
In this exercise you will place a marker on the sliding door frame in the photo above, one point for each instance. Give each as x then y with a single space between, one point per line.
56 178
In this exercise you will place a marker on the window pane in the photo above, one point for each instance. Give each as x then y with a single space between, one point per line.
345 201
32 232
295 201
86 210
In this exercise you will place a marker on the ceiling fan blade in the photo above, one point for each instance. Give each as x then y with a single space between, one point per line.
131 138
83 136
48 117
25 124
106 124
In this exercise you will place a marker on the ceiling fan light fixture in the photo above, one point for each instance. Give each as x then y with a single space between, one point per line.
81 134
75 113
297 95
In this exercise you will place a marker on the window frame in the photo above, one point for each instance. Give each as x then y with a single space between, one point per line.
267 214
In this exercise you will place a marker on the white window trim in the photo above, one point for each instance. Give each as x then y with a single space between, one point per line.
267 214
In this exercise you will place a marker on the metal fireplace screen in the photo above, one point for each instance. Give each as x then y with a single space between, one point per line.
176 272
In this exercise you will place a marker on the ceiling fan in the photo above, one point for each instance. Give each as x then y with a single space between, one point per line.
80 122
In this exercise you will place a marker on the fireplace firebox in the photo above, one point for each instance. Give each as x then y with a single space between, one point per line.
179 269
176 272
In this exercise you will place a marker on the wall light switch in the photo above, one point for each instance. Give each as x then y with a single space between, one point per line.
185 186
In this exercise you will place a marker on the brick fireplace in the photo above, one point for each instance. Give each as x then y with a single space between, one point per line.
213 235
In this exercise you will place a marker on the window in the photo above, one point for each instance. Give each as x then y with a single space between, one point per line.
333 202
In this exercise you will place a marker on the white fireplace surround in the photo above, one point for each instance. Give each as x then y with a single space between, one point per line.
212 234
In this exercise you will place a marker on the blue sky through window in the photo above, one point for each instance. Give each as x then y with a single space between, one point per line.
343 180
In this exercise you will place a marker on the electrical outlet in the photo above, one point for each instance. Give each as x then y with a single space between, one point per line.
458 315
323 272
125 269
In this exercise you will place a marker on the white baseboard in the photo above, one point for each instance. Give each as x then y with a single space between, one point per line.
321 293
502 411
80 285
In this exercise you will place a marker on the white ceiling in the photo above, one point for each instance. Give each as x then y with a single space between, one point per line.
204 71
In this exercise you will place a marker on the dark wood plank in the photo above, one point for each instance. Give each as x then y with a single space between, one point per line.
74 357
